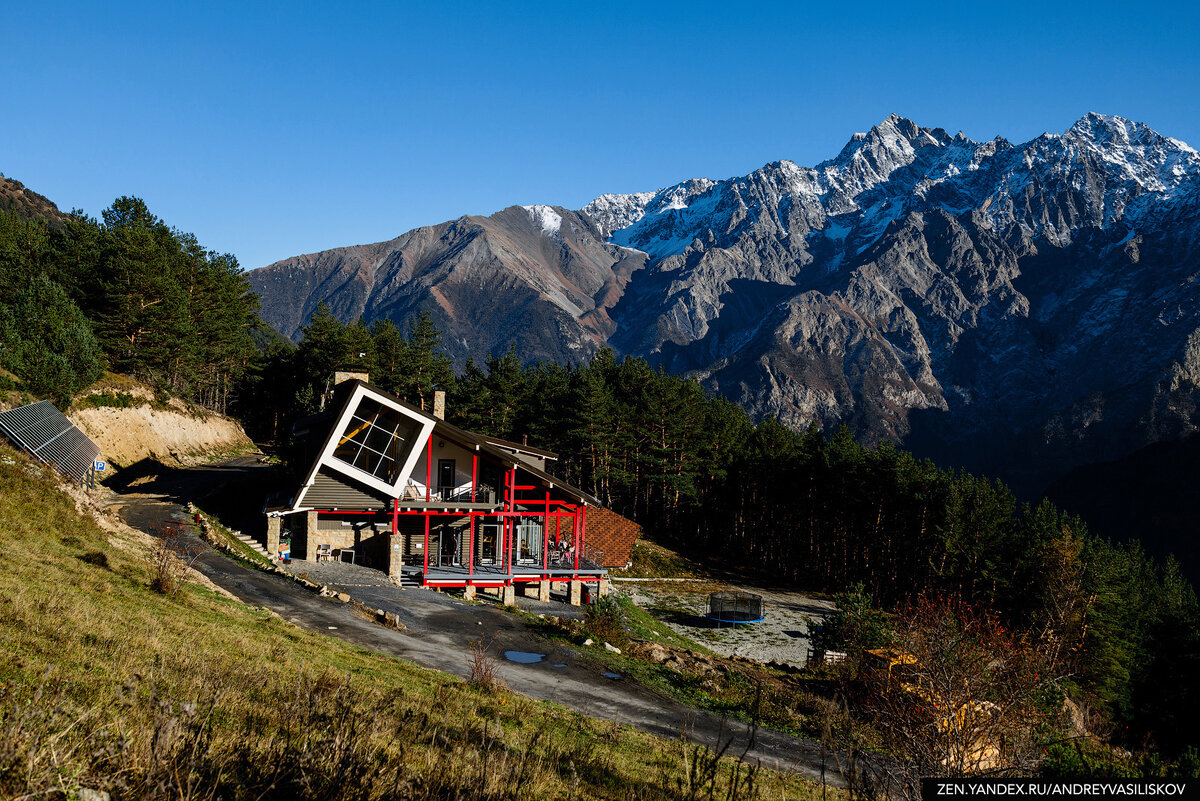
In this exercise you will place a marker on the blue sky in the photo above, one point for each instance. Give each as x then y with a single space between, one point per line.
270 130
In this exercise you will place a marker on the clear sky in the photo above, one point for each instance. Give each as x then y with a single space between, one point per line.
273 129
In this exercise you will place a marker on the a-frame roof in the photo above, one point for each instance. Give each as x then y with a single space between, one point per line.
326 425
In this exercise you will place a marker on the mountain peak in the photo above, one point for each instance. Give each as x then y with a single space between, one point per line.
1109 127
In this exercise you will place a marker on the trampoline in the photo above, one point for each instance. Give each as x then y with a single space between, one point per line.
735 607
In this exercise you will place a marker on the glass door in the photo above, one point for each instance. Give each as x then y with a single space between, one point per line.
489 537
446 478
529 541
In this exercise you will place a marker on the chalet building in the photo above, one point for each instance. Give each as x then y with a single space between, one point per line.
400 490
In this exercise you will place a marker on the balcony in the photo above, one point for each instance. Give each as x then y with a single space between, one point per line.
480 496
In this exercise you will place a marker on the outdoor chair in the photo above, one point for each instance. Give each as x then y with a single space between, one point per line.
324 552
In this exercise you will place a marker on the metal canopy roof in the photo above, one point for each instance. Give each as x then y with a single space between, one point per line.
43 431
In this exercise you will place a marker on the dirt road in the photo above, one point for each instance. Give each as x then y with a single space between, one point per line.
441 628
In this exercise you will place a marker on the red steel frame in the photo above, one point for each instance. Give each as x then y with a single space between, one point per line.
510 513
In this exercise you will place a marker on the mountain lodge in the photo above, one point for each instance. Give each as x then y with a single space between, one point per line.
401 490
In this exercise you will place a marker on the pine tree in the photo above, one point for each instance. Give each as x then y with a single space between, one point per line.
47 342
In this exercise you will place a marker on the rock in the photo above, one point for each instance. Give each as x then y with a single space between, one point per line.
657 653
589 641
86 794
610 647
343 597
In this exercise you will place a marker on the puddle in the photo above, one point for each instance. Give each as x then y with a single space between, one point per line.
523 657
560 666
611 675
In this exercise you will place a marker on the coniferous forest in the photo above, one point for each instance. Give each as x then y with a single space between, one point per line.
128 293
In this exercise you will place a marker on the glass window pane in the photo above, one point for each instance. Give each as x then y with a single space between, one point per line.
376 440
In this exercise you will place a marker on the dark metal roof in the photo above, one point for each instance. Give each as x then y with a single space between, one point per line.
342 394
47 435
519 447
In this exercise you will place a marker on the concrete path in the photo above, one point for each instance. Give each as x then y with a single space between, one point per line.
441 629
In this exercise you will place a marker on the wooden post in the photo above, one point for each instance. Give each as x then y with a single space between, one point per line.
578 539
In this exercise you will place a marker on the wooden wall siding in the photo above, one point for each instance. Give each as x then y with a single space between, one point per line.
411 529
331 491
612 534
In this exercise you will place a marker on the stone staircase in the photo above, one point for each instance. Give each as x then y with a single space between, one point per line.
251 543
409 578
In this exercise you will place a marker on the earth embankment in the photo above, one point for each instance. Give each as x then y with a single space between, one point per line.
140 428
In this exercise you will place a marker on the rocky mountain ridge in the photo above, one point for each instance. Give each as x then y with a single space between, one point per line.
1014 308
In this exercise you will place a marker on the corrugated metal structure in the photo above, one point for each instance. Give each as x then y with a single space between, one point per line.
46 434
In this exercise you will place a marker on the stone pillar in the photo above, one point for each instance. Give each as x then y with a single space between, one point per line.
395 556
544 590
469 592
603 588
576 592
310 536
274 528
508 595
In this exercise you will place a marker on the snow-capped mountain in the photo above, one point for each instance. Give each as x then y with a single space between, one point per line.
995 305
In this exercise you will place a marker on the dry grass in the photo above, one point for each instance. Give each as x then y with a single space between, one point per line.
106 684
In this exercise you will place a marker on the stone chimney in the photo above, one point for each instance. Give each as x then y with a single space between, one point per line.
439 405
345 375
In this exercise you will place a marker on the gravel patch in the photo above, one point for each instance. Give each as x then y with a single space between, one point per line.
783 635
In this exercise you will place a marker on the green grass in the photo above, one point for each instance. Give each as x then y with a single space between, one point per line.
654 561
644 625
107 684
236 547
748 692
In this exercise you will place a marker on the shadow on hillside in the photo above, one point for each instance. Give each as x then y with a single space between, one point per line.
812 610
682 618
234 491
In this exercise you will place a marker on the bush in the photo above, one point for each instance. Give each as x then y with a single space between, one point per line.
118 400
171 557
856 626
484 668
606 620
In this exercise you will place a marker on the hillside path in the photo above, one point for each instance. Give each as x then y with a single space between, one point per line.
441 629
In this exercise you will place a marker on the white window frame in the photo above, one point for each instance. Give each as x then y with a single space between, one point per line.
414 455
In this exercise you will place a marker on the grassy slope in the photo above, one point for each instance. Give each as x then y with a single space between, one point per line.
104 683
